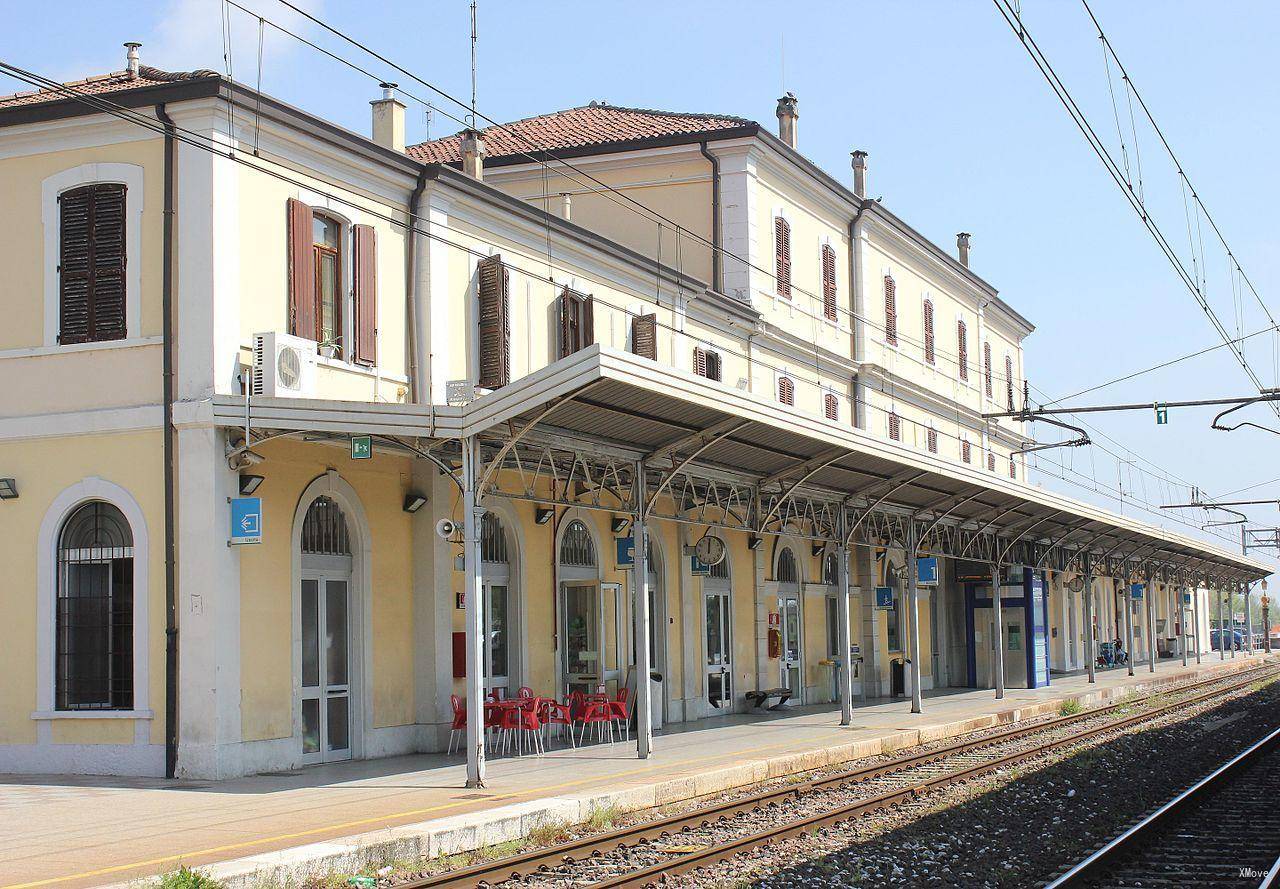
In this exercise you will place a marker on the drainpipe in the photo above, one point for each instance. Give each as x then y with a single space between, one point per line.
717 261
411 272
855 322
170 559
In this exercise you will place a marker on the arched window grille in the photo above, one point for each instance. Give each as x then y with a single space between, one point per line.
324 529
576 548
493 540
720 570
831 569
787 572
95 610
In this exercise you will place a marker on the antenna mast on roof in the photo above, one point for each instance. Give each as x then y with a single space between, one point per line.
473 63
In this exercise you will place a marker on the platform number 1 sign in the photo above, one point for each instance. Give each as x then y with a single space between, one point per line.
1162 414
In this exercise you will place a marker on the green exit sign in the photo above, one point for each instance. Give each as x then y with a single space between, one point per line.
361 447
1162 415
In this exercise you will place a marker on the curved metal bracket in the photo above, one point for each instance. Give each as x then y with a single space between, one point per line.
1080 441
1217 425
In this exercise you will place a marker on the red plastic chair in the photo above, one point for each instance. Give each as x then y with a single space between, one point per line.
524 722
459 720
596 712
524 692
555 713
621 712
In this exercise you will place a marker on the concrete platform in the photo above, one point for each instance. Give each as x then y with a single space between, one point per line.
77 832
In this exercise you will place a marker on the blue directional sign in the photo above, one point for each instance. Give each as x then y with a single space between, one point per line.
1135 590
1186 598
927 571
246 520
884 597
626 551
698 568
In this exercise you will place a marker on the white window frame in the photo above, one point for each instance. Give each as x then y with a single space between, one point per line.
131 176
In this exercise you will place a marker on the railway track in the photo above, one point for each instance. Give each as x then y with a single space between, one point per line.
647 852
1223 831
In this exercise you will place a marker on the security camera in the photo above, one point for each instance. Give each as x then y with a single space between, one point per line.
446 528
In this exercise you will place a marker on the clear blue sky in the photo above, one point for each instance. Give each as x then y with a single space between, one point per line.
962 130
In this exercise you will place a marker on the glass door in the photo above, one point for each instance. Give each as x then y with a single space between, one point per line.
792 662
326 669
719 646
497 666
580 629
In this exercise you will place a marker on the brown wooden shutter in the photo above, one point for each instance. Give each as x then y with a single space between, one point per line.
786 391
965 453
829 282
713 366
302 272
890 311
365 293
831 407
91 264
930 353
782 249
933 441
895 427
986 365
962 349
644 336
494 323
587 331
1008 376
700 361
566 337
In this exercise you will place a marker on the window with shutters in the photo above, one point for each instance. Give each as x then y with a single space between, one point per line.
706 363
831 407
929 351
577 322
782 255
890 311
644 336
1008 378
829 282
986 366
962 349
493 322
786 390
966 452
1013 468
895 426
91 264
933 441
326 243
991 462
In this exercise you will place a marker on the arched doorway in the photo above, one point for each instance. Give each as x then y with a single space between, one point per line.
786 573
501 613
718 612
325 619
582 627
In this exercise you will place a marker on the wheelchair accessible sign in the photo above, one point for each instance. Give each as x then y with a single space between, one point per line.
246 520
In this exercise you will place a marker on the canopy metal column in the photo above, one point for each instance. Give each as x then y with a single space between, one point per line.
845 640
644 688
913 615
1149 595
473 603
997 637
1195 621
1183 594
1222 625
1248 617
1128 623
1090 654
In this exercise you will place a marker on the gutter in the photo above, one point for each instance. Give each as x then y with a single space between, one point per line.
855 321
168 449
716 258
411 272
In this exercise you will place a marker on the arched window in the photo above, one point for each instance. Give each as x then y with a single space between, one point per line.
831 406
966 452
95 610
962 349
831 569
720 570
890 311
986 366
787 571
324 529
929 351
786 390
493 540
895 427
828 282
991 462
1013 468
706 363
782 251
576 547
933 441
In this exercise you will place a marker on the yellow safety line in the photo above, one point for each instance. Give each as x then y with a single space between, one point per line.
114 869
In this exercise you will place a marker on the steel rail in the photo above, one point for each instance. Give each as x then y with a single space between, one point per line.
535 860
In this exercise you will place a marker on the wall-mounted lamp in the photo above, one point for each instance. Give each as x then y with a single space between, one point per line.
542 515
753 543
618 523
8 489
249 483
413 501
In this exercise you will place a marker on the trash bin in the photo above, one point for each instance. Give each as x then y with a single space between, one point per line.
655 699
897 678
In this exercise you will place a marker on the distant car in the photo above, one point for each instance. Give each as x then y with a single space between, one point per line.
1236 640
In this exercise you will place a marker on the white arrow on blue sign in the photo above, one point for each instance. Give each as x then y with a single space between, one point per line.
246 520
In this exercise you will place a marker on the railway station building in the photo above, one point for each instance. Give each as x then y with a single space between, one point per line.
304 432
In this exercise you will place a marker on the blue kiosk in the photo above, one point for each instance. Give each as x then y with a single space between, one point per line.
1024 605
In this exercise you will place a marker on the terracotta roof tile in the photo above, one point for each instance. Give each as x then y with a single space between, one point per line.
104 83
597 124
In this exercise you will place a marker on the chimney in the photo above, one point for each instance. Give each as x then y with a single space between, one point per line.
132 59
473 154
788 116
860 173
388 119
962 247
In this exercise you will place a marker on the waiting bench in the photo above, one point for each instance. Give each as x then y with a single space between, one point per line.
760 697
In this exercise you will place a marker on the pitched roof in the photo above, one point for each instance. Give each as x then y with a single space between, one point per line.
104 83
597 124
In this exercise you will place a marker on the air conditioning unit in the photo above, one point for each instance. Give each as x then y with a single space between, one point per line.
284 366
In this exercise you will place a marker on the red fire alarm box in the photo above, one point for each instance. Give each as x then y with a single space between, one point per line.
459 655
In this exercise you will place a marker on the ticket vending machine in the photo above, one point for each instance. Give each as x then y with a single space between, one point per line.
1022 638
